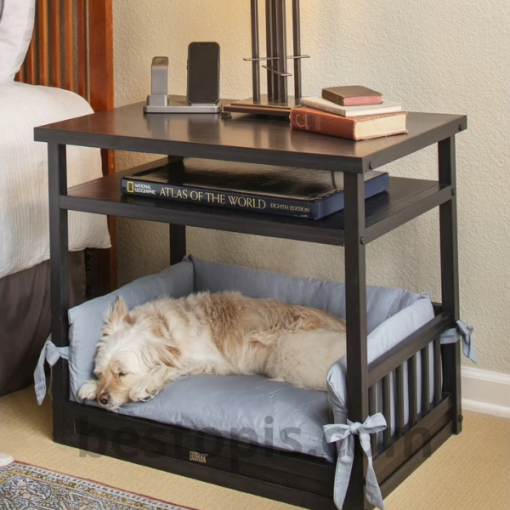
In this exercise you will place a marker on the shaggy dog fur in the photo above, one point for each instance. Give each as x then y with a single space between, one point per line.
220 334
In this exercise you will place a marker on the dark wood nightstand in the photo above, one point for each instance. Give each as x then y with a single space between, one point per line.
294 478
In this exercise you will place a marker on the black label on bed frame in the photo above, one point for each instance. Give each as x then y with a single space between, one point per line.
198 457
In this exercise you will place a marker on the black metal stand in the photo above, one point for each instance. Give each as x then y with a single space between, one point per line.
277 100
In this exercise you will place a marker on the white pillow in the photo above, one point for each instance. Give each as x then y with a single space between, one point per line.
16 27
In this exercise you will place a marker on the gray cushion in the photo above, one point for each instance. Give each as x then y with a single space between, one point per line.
227 405
248 408
329 296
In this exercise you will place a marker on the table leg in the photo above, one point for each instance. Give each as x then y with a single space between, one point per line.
450 277
356 316
177 243
59 264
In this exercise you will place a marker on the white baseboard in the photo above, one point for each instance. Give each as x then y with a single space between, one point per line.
486 392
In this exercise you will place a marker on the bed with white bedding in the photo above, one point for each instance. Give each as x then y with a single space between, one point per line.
24 227
24 223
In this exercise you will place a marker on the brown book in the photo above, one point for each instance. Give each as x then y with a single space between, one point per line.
358 128
353 95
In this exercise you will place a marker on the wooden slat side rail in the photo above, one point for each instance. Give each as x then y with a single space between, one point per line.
82 49
102 98
399 354
437 371
43 64
31 59
393 362
43 43
20 76
69 81
399 402
425 380
413 388
387 410
101 73
399 397
372 409
101 54
56 45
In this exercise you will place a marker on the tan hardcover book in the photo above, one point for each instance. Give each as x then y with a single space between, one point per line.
320 103
359 128
352 95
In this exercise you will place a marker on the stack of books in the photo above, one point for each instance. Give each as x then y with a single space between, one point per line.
353 112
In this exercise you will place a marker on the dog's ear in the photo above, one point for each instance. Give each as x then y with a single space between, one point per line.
119 312
169 355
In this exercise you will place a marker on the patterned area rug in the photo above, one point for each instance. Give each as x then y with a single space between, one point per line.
25 487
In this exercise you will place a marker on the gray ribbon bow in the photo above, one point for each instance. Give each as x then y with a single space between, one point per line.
346 433
50 353
465 332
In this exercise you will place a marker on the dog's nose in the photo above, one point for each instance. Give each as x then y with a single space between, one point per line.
104 398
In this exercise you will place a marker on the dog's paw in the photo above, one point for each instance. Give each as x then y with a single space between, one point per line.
145 396
140 393
88 391
149 396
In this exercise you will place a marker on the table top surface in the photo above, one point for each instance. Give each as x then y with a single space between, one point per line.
245 138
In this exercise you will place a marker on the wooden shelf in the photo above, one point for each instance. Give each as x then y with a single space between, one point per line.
406 199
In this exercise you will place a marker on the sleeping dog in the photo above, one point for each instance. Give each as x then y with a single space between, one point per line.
144 349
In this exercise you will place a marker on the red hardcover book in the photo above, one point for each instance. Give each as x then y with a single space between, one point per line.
357 128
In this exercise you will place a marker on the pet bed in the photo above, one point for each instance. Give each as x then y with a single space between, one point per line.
294 424
250 408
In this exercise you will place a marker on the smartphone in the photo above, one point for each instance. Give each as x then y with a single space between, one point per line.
203 73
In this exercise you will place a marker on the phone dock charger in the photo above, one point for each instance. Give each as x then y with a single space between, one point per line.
159 102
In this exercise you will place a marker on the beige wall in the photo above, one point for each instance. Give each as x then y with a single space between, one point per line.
433 56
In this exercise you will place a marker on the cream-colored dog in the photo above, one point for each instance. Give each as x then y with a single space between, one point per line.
217 334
